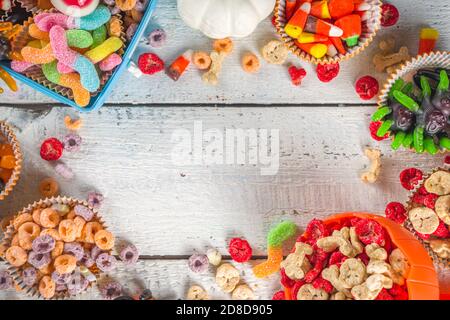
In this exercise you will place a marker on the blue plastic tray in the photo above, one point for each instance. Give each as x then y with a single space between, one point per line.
97 101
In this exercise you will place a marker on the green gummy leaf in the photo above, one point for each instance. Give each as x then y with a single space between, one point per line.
398 85
280 233
429 146
425 84
398 140
384 128
444 142
381 113
443 81
418 139
408 141
406 101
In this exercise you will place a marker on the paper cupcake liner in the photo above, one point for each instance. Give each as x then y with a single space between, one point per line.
436 59
9 234
32 5
443 263
4 15
35 73
369 30
9 135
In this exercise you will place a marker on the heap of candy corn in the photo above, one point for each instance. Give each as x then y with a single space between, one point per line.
326 27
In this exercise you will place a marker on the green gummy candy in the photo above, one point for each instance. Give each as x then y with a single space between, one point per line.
50 71
407 89
429 146
398 85
98 36
406 101
280 233
425 84
79 38
398 140
409 138
384 128
418 139
381 113
443 81
444 142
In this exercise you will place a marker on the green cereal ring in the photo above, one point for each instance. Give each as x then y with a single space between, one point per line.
280 233
398 85
429 146
384 128
51 72
381 113
398 140
444 142
409 138
98 36
79 38
418 139
407 89
406 101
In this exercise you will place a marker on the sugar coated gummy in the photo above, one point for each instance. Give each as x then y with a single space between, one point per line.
51 149
280 233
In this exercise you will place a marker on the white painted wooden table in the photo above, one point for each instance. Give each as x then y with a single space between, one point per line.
170 211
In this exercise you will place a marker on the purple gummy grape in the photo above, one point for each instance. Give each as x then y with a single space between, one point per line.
111 290
39 260
198 263
77 284
95 252
106 262
43 244
95 199
29 276
61 278
75 249
6 281
157 38
129 255
404 118
84 212
72 142
435 122
87 260
131 30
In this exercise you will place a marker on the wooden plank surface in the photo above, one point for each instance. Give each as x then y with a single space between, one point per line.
271 85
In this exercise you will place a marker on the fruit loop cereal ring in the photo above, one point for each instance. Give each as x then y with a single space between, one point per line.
126 5
111 290
52 233
29 230
201 60
75 249
67 230
250 63
90 229
49 218
275 52
16 256
157 38
21 219
240 250
106 262
48 188
197 293
43 244
114 27
104 240
198 263
243 292
129 255
65 263
61 278
47 287
84 212
15 240
58 250
29 276
95 199
424 220
39 260
227 277
223 45
72 124
72 142
79 223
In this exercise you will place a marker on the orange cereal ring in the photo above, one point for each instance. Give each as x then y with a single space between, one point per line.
37 216
47 270
79 222
90 229
71 215
48 187
52 233
201 60
30 230
15 240
104 240
65 263
49 218
126 5
21 219
58 250
223 45
73 124
26 242
250 63
47 287
16 256
67 230
114 27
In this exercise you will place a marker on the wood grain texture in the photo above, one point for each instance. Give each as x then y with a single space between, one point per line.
272 84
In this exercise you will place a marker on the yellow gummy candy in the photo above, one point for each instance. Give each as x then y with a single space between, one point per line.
271 265
102 51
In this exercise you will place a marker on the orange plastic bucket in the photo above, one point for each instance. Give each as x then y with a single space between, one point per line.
422 281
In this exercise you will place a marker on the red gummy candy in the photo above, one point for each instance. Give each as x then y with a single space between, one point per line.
396 212
297 75
447 160
410 177
423 191
321 283
240 250
297 286
388 245
398 292
314 272
316 229
364 258
367 87
442 230
285 280
51 149
430 200
418 198
150 63
279 295
327 72
370 231
384 295
423 236
319 255
373 127
389 15
337 258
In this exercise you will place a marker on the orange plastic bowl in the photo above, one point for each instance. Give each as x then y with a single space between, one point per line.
422 280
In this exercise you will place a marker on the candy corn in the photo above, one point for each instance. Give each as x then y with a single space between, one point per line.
320 10
338 44
307 37
428 38
317 50
296 24
340 8
332 51
319 26
290 8
351 25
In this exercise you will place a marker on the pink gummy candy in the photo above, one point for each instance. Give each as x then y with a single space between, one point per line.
61 50
20 66
62 68
110 62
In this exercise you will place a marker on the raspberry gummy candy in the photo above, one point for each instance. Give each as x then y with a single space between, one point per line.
370 231
51 149
327 72
240 250
315 230
367 87
297 75
279 295
410 177
396 212
373 127
389 15
150 63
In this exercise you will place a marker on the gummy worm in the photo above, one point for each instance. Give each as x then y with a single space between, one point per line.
10 82
103 50
86 69
110 62
20 66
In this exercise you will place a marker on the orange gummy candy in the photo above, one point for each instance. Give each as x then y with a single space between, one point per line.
271 265
8 162
5 174
6 150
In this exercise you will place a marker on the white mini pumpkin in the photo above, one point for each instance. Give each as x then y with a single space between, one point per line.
220 19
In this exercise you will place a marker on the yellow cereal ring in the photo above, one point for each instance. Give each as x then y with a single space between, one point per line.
201 60
49 218
29 230
58 250
38 56
47 287
16 256
104 240
52 233
90 229
37 216
65 263
79 222
21 219
100 52
67 230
